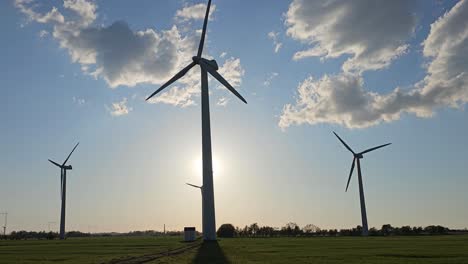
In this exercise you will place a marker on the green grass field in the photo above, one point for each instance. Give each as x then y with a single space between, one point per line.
436 249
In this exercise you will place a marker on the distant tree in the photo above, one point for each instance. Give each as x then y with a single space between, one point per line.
332 232
436 230
417 230
253 229
51 235
387 230
345 232
290 229
374 232
310 229
357 231
406 230
226 230
266 231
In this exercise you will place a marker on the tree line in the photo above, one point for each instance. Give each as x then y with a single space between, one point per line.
294 230
254 230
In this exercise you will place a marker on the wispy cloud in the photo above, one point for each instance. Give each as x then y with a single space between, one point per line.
270 78
119 108
43 33
277 44
223 101
78 101
194 12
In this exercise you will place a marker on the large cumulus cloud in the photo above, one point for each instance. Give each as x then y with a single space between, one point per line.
343 99
118 54
372 32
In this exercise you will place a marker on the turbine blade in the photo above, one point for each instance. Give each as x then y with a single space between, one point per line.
70 154
195 186
55 163
205 24
221 79
372 149
175 78
342 141
350 173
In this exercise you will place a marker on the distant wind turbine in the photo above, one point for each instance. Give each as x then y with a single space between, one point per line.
5 223
63 189
356 159
206 66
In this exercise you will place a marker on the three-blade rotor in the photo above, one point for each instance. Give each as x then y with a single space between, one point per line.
205 64
357 156
63 168
65 162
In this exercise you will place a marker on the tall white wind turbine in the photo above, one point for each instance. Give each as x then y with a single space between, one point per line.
211 67
357 159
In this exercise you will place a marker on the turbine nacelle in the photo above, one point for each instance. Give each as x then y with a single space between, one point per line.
211 63
359 156
68 167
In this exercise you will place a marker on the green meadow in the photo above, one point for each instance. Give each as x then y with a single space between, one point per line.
404 249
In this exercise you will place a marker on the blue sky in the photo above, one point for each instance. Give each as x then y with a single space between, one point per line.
272 165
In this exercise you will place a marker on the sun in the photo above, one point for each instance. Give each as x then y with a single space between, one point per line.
198 166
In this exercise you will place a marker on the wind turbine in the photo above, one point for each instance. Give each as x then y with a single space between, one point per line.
356 159
206 66
63 189
5 223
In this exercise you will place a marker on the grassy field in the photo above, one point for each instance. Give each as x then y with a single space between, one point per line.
83 250
437 249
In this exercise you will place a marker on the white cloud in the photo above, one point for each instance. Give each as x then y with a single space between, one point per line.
124 57
53 16
342 99
274 36
78 101
43 33
115 53
222 55
223 101
232 71
372 32
194 12
270 79
119 108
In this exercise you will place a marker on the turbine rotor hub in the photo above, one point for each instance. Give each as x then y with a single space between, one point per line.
196 59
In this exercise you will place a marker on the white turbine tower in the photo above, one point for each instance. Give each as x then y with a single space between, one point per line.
206 66
63 189
357 159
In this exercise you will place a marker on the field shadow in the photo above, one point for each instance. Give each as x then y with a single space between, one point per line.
210 252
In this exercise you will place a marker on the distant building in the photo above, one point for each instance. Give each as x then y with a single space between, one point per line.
189 234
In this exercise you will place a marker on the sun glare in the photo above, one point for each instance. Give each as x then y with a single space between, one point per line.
198 166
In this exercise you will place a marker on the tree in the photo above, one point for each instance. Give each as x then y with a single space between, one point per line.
310 228
387 230
253 229
226 230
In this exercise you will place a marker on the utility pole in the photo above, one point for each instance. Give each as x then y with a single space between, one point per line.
5 225
164 229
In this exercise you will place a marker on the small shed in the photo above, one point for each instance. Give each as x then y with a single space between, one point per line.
189 234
